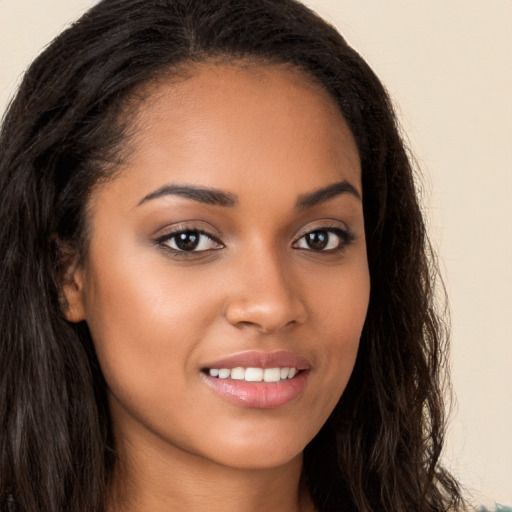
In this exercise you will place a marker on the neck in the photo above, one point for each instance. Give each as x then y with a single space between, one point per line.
152 478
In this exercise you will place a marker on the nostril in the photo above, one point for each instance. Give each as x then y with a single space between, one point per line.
263 321
266 300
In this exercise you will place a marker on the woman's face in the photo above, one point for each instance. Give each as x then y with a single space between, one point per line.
232 238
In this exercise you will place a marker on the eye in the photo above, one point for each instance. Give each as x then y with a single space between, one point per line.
191 240
324 240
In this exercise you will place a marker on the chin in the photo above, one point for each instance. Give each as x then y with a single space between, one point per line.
259 459
269 447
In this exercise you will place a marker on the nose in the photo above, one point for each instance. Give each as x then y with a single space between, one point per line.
265 296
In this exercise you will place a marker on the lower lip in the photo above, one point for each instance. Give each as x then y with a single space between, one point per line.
259 395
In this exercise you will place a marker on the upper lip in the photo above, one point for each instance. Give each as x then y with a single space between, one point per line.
258 359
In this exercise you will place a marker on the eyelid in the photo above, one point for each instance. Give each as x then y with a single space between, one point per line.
170 232
340 229
188 225
323 224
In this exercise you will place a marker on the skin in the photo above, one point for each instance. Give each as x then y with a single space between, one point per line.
267 136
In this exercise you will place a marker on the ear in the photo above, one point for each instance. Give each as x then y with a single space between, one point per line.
71 285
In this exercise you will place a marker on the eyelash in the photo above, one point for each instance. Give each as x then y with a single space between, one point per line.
166 238
345 236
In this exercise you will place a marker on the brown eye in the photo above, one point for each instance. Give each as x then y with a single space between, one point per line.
189 241
317 240
324 240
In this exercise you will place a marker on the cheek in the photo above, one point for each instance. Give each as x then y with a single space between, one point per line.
339 313
144 320
340 302
147 332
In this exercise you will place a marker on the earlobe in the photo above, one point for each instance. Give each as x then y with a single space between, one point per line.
72 290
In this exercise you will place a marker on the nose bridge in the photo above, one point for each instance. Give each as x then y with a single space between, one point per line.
265 296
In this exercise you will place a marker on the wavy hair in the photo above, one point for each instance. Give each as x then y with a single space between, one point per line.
63 132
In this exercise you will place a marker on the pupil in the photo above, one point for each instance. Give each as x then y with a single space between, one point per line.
317 240
187 241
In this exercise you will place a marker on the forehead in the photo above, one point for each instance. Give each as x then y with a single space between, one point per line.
229 124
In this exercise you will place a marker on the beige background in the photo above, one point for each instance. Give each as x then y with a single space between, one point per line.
448 66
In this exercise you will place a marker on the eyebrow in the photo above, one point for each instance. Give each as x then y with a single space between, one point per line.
215 197
204 195
324 194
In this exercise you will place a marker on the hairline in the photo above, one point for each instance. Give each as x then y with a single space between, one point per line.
127 118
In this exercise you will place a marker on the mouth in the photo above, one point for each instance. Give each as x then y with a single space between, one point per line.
253 374
258 380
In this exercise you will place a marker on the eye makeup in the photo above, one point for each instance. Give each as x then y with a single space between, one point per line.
190 241
324 238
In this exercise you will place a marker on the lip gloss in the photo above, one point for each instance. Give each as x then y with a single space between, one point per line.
259 395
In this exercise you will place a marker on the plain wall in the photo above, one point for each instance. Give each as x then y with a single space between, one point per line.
448 66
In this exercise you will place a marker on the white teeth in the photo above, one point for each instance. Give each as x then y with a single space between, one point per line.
272 375
238 374
254 374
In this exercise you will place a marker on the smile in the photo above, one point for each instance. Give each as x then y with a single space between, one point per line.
254 374
260 380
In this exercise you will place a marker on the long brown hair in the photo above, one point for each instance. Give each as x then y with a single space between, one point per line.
379 450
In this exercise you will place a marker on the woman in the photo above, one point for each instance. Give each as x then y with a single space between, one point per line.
216 282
